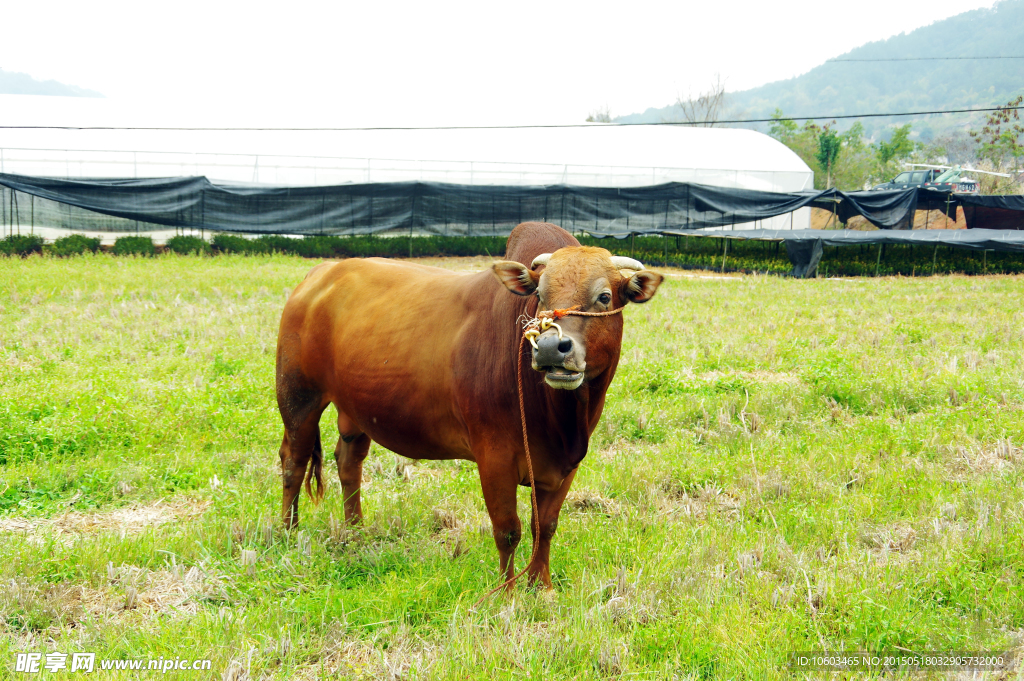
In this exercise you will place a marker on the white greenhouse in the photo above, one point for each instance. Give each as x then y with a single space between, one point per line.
596 155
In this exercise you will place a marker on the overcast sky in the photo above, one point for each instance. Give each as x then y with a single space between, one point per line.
428 63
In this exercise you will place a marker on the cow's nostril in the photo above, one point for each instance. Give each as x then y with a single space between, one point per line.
551 350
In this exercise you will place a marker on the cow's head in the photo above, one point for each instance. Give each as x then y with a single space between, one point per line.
592 280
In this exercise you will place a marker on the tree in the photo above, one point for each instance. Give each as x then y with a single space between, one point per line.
848 168
1001 135
829 147
705 109
781 128
803 141
898 148
958 148
853 168
600 115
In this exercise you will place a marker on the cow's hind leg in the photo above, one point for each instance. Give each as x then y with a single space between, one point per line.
301 408
297 448
350 453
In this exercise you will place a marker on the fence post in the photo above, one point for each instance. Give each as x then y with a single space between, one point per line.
725 252
935 257
879 261
412 223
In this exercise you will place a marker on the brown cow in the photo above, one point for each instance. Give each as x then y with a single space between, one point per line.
423 361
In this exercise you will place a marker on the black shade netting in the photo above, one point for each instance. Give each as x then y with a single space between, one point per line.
451 209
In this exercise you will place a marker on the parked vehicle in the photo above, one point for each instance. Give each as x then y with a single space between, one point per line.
955 179
952 178
911 178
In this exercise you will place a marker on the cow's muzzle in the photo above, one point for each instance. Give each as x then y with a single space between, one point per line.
561 360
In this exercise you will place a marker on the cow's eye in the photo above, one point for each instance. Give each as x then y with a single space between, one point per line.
604 298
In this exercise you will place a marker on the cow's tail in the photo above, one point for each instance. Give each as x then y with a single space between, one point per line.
315 471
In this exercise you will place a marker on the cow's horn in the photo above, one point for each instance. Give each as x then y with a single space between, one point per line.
541 259
624 263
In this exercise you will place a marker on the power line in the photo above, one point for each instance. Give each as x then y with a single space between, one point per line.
923 59
508 127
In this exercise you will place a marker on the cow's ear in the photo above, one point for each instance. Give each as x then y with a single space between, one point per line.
516 277
642 286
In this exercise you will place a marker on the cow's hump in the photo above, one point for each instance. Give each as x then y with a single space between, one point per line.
530 239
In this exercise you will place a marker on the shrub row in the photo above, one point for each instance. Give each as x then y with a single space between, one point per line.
17 244
362 246
134 245
766 256
684 252
74 244
309 247
186 245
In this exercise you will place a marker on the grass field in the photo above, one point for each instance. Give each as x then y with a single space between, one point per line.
783 465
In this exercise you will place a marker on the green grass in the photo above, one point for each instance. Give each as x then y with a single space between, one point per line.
783 465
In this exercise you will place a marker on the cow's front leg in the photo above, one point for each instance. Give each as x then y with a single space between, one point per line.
499 484
549 505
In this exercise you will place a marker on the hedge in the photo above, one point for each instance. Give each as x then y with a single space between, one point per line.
683 252
134 245
185 245
362 246
767 256
74 244
19 244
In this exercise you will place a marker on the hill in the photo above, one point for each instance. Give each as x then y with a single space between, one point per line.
13 83
840 87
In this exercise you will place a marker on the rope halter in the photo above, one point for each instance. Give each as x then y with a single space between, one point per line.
534 327
545 319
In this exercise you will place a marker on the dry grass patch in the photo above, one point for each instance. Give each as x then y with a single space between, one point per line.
130 593
585 500
898 538
70 525
998 457
896 542
176 590
758 376
698 503
450 530
394 657
769 485
627 600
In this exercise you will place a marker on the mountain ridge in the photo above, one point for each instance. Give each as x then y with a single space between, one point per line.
16 83
835 88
